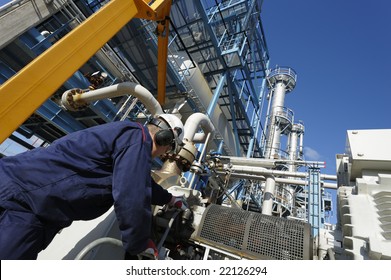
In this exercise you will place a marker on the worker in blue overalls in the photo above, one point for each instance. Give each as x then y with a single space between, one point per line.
79 177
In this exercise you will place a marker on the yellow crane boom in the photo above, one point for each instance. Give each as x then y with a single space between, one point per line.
23 93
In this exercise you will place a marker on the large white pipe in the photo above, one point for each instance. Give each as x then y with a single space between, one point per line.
192 125
145 96
263 171
272 163
258 162
267 204
291 181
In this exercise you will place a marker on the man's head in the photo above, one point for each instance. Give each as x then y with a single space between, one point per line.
167 133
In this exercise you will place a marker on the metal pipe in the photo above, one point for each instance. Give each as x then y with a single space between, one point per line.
192 125
303 162
267 205
203 148
255 170
263 171
258 162
121 89
199 138
328 177
169 226
195 176
97 242
277 179
270 163
331 254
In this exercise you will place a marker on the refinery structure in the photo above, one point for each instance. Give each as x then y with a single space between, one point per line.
66 65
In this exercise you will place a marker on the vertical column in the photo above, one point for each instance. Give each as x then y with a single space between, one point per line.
280 81
295 148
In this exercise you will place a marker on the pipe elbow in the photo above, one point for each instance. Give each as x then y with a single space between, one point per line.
74 99
193 123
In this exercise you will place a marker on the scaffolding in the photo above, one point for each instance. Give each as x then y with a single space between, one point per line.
225 40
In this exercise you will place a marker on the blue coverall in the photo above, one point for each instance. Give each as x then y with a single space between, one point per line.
79 177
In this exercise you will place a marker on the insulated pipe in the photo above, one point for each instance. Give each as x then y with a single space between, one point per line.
328 177
199 138
258 162
193 123
278 180
198 169
263 171
267 204
331 254
293 149
72 99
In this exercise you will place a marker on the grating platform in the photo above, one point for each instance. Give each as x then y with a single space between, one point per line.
254 235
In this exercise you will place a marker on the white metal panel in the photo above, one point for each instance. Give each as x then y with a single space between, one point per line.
369 150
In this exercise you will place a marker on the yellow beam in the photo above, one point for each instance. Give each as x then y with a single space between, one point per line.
163 52
159 11
162 62
23 93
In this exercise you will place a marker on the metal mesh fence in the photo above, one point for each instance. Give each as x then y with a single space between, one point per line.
254 235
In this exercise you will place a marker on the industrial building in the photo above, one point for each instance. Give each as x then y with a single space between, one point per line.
69 65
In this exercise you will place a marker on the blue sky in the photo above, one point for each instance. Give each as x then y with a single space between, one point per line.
341 51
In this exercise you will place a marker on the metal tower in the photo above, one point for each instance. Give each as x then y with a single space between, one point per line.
281 80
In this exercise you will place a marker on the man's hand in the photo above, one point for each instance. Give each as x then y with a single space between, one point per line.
178 202
151 249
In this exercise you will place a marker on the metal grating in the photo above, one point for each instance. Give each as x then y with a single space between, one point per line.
254 235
